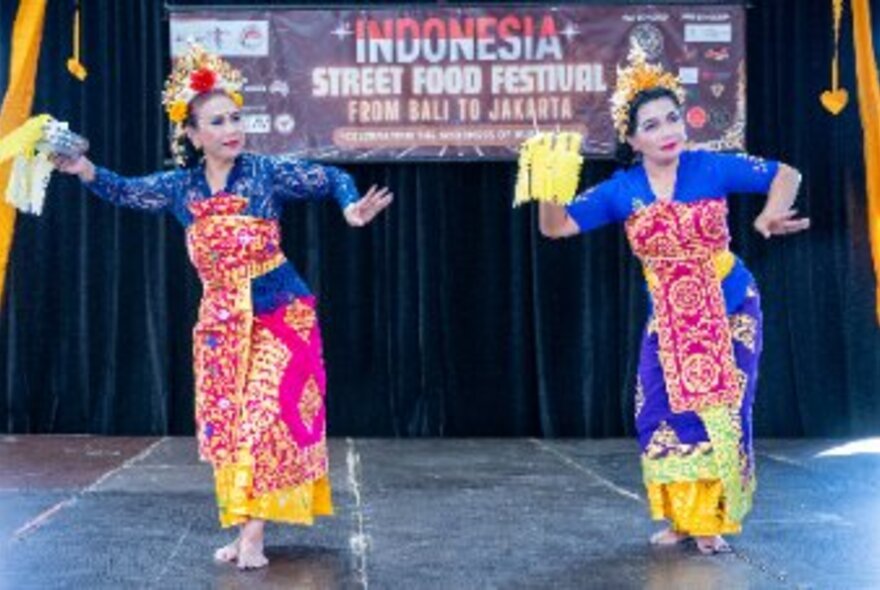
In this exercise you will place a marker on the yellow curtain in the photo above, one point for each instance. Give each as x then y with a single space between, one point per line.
869 108
27 34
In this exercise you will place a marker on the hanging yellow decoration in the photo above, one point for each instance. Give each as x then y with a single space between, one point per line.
835 100
868 86
27 36
74 66
549 168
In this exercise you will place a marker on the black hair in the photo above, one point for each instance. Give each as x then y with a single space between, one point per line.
624 153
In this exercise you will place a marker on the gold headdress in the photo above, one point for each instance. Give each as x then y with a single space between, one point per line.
638 76
195 73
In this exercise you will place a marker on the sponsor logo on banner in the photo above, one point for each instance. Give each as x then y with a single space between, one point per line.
696 117
715 33
715 76
235 38
285 123
257 123
254 38
279 87
649 38
720 118
689 75
717 54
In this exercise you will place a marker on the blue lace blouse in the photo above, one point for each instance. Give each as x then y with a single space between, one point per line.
268 182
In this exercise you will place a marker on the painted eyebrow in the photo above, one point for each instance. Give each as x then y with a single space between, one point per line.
657 119
221 115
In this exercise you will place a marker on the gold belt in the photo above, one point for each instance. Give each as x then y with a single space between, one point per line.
723 261
249 271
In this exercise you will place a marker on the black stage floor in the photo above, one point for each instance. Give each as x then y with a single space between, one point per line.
94 512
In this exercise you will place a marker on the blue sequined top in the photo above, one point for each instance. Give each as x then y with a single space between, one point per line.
268 182
701 175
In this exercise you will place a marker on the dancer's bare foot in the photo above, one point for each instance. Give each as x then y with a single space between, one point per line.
227 553
250 546
667 537
712 545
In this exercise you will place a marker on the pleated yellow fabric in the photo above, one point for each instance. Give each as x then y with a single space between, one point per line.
295 505
27 36
869 98
693 508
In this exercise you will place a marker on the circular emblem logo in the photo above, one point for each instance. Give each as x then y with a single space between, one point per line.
649 38
696 117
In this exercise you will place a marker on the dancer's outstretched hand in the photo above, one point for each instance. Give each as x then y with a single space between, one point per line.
780 224
363 211
80 166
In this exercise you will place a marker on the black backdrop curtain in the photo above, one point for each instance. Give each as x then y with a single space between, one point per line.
450 315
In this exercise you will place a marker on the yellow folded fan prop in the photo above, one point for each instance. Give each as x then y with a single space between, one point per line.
30 148
549 168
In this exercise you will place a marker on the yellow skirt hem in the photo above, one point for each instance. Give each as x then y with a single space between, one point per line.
694 508
298 505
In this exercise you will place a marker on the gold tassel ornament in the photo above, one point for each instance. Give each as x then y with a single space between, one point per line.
835 100
74 65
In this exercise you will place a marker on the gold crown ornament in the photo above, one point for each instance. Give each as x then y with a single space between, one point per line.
638 76
194 73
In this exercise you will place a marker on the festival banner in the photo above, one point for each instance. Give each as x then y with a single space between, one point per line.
464 82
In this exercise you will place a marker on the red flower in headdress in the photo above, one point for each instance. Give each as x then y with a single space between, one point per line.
202 80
